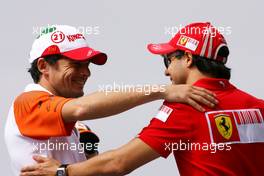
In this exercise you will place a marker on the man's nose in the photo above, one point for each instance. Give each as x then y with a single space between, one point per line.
85 71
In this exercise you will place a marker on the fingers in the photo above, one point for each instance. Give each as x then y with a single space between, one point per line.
200 99
40 159
192 95
33 173
29 168
46 166
195 105
205 94
202 96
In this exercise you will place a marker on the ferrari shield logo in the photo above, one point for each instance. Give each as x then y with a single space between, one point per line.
224 125
183 40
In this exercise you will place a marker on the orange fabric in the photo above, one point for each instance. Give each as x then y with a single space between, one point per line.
38 115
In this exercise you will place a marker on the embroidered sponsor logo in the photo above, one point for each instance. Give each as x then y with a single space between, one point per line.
188 42
224 125
46 31
57 37
74 37
164 113
248 117
236 126
90 53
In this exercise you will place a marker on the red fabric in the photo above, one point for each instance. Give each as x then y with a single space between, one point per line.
80 54
86 53
187 126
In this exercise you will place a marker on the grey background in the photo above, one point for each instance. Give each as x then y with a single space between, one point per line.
125 28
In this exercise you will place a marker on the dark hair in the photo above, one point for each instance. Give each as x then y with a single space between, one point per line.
34 71
212 67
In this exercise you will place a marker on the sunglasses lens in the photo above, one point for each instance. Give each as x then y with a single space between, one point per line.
166 62
167 58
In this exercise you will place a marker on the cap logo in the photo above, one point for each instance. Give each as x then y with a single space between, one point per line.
46 31
74 37
188 42
183 41
224 125
90 53
57 37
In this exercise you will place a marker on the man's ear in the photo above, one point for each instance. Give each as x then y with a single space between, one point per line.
189 59
43 66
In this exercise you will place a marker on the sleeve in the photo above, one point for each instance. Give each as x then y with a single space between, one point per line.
38 115
171 126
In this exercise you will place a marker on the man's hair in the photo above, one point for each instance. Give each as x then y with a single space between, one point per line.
212 67
34 71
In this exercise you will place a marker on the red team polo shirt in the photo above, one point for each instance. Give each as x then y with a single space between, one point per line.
226 140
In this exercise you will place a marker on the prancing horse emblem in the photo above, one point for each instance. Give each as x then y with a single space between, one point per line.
224 125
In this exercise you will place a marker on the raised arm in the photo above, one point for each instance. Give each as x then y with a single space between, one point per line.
100 104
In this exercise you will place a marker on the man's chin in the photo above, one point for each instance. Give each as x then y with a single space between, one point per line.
75 94
79 94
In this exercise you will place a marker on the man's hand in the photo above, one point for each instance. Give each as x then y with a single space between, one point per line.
191 95
44 167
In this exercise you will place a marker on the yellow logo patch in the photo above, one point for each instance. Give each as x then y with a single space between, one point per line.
224 125
183 40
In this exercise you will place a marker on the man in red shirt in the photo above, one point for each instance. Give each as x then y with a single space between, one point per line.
224 140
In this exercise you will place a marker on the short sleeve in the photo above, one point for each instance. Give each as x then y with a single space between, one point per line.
38 115
170 126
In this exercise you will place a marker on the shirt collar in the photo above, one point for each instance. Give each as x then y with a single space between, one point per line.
35 87
214 84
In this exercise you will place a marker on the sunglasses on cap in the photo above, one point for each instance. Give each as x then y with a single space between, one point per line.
167 57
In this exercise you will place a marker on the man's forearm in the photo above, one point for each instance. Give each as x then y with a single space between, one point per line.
106 164
100 104
117 162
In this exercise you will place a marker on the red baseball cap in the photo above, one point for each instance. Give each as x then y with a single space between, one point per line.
200 39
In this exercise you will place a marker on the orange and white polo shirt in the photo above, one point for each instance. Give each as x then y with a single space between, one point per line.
35 126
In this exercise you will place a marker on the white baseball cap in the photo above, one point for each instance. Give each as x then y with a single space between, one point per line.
67 41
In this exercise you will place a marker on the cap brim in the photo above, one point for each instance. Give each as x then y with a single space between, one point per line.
162 48
86 53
